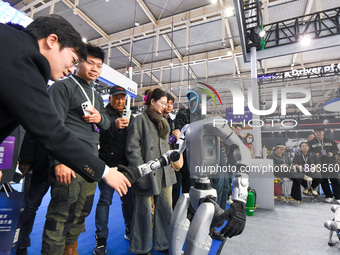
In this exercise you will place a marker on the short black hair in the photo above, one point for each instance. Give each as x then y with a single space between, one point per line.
320 128
68 37
95 51
237 125
170 97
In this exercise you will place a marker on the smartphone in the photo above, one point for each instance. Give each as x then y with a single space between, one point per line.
126 114
86 105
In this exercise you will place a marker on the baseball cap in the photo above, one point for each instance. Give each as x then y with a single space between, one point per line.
117 90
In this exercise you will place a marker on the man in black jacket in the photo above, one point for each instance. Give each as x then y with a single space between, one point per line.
48 48
112 151
326 149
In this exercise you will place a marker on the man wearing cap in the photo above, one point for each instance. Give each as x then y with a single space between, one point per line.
112 152
326 149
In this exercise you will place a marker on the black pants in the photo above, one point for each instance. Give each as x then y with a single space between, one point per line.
335 181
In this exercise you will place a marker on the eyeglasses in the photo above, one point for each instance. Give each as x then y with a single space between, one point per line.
76 60
163 104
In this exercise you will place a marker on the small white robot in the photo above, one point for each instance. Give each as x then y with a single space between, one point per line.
333 225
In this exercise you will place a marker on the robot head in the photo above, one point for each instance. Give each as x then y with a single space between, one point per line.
195 97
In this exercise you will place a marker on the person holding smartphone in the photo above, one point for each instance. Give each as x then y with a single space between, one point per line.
326 149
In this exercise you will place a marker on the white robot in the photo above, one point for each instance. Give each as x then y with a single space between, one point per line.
334 225
201 139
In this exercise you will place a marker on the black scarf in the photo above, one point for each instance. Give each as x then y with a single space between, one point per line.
157 119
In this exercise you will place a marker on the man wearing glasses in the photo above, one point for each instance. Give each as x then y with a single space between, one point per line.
48 48
81 109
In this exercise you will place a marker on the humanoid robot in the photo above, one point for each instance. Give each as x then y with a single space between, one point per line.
201 138
333 225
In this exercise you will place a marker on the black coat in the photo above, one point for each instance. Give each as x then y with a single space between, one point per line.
327 144
113 140
24 73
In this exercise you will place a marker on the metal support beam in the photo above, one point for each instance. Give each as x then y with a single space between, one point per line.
86 18
122 50
147 11
173 47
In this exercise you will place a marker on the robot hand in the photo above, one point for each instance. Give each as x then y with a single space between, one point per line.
236 216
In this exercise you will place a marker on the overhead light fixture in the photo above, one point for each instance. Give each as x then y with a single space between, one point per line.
213 1
261 32
137 24
171 64
229 53
305 40
107 1
229 12
183 19
84 40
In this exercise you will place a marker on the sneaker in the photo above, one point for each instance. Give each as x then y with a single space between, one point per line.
307 178
21 251
306 191
127 234
314 192
329 200
100 248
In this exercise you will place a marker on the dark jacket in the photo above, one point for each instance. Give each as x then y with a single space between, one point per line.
35 155
113 140
327 144
24 73
278 160
182 118
311 159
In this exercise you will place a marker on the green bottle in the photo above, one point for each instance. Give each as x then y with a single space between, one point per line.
251 202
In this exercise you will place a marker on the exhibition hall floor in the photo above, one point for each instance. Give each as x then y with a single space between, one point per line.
288 229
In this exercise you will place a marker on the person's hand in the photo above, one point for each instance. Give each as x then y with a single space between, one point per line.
117 181
64 174
0 175
318 154
330 154
95 116
236 215
176 133
121 123
24 168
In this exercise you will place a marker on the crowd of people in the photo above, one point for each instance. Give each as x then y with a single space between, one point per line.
315 163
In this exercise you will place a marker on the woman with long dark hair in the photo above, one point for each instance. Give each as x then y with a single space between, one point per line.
148 139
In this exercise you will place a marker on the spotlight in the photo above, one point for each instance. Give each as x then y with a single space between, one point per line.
260 32
137 24
171 64
326 121
183 19
84 40
305 40
213 1
229 12
229 53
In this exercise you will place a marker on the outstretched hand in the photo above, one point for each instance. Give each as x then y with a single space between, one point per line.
117 181
236 216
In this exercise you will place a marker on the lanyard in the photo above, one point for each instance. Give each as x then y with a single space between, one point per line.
305 158
84 92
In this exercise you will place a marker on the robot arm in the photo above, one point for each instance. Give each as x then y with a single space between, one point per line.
166 158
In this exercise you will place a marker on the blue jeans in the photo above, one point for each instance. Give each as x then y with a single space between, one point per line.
221 184
35 196
103 207
143 235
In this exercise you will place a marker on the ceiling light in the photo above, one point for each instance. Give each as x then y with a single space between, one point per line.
229 53
261 32
213 1
183 19
229 12
137 24
171 64
305 40
107 1
84 40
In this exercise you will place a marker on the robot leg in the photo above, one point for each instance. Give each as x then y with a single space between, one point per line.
179 225
198 240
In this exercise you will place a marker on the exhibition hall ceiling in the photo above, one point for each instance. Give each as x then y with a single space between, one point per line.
176 43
